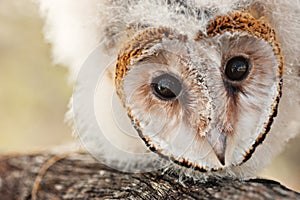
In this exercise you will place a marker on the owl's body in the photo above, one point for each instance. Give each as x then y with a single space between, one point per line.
211 87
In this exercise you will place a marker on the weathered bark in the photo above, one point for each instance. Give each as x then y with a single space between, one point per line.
78 176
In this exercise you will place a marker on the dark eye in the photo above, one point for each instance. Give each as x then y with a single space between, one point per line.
166 87
237 68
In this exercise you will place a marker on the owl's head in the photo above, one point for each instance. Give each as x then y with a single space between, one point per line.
200 80
206 101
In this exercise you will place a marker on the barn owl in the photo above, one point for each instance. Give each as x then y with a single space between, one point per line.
207 88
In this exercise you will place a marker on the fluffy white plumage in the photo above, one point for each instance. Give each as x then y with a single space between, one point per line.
76 28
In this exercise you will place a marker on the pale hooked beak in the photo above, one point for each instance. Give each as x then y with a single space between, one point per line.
218 142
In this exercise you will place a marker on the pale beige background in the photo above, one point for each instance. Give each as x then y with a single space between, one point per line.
34 94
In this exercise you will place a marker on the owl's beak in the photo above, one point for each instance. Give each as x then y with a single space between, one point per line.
218 143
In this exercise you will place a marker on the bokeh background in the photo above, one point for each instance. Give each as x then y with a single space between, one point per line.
34 93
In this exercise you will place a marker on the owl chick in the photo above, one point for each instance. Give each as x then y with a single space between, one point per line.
204 87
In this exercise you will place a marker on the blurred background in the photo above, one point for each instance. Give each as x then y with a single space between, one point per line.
34 94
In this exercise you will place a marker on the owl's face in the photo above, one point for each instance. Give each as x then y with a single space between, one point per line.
204 102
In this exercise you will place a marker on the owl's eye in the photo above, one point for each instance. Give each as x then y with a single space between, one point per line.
166 87
237 68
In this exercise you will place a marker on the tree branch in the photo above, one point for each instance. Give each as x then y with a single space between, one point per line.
78 176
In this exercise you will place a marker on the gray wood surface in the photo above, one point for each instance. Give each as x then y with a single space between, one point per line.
79 176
